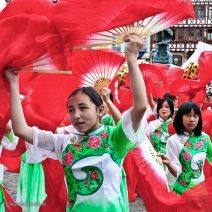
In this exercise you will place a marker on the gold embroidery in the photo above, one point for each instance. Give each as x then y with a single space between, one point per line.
75 142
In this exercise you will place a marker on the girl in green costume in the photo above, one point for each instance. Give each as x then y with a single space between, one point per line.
187 149
92 158
157 130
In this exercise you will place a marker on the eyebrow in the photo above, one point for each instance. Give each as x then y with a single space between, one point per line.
81 104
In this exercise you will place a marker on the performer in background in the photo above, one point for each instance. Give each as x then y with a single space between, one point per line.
187 149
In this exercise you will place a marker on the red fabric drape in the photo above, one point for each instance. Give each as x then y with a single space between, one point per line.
10 205
55 187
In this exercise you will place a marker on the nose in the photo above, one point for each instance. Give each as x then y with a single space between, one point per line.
192 118
74 114
77 114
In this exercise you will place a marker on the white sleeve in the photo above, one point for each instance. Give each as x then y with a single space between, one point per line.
139 135
173 150
47 140
10 144
149 130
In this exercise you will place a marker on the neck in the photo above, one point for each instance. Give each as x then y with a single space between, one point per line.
93 128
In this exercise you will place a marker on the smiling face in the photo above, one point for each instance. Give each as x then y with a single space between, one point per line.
84 114
190 121
164 111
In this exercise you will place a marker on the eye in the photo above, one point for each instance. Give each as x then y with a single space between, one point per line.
83 108
70 110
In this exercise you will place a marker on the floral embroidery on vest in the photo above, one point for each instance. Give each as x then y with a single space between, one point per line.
93 145
159 137
191 147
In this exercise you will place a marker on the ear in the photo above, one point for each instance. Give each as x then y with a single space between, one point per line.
101 110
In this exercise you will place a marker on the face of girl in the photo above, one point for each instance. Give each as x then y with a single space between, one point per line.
165 111
190 121
83 113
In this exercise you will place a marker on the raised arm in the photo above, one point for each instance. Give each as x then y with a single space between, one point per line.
19 125
114 111
136 80
152 104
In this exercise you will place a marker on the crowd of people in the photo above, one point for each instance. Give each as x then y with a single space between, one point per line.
92 162
92 149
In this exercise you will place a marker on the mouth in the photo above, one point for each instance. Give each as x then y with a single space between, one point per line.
191 126
79 124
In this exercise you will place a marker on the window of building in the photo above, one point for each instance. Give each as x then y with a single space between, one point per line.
209 11
200 34
210 34
174 31
200 12
180 34
191 34
177 60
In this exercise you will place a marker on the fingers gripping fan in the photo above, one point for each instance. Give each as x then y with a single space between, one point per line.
95 68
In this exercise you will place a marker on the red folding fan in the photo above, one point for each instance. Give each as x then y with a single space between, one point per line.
144 28
207 121
152 76
45 105
38 7
4 106
174 73
18 33
81 20
205 67
95 68
185 87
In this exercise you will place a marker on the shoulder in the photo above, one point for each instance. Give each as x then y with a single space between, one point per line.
154 122
206 135
174 138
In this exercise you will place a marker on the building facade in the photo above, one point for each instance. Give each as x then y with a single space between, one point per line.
188 32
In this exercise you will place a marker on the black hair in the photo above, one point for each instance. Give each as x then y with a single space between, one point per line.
111 96
89 91
186 108
170 103
168 95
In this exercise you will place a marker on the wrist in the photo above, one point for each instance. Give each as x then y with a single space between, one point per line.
131 58
14 84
